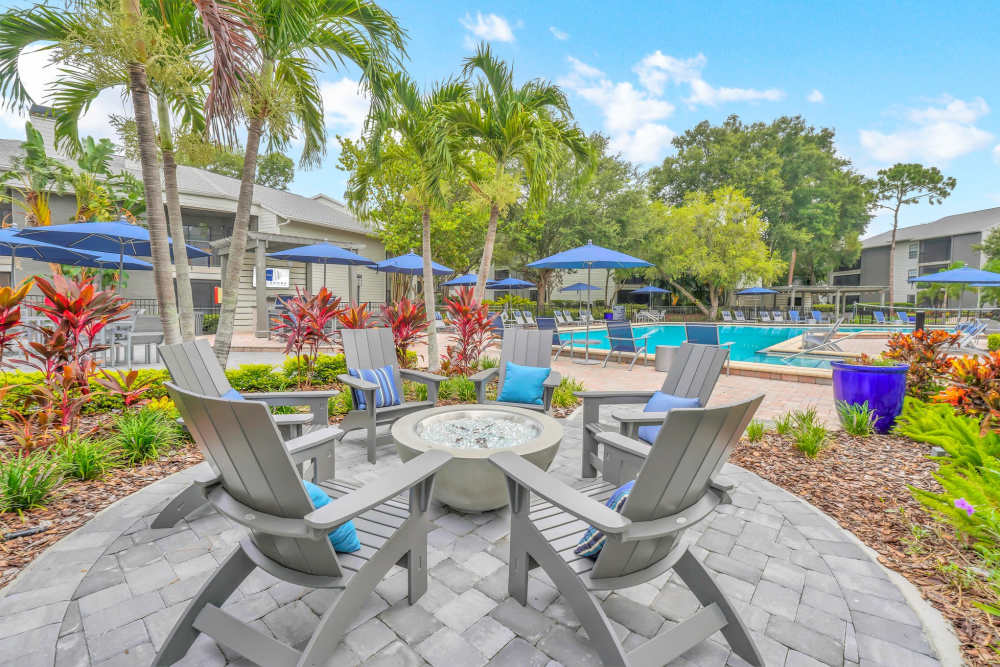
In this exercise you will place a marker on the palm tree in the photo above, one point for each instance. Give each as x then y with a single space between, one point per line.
424 142
282 97
521 130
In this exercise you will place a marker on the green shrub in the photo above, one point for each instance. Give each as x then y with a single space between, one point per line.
209 323
27 481
142 435
458 389
857 418
929 422
563 396
808 433
755 431
993 342
414 391
823 307
488 362
257 377
85 458
328 367
783 424
18 387
342 403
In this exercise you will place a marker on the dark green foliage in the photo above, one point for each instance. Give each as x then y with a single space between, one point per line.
85 458
457 388
143 435
563 396
857 418
209 323
26 481
101 401
755 430
325 372
993 342
257 377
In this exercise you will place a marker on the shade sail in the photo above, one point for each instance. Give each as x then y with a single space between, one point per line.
411 264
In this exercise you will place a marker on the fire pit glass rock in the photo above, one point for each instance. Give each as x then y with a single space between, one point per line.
478 430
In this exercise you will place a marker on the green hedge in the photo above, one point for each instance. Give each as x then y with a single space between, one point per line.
101 400
209 323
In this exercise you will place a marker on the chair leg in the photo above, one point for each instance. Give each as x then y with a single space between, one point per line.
372 437
183 504
700 582
215 591
416 567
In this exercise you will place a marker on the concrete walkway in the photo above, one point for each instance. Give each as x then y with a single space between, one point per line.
109 593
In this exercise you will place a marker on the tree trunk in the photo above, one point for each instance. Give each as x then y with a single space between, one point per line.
185 300
791 268
713 299
433 356
238 243
690 296
892 260
155 218
484 265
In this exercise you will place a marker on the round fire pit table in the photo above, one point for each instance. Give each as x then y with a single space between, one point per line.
470 433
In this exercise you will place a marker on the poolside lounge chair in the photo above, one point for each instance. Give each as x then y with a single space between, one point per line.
793 316
550 324
524 348
817 317
694 372
675 487
822 338
777 316
370 349
518 318
256 486
622 340
764 316
706 334
879 316
726 316
529 318
559 317
738 314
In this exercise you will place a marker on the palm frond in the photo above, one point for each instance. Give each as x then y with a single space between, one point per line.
39 26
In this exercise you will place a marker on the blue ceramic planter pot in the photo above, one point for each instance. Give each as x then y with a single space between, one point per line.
882 386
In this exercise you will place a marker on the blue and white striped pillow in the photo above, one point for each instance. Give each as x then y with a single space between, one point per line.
593 540
387 393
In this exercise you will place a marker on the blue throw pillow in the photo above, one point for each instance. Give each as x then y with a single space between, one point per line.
387 392
661 402
593 540
233 395
523 384
343 538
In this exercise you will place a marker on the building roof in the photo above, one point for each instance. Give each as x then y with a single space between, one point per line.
950 225
321 210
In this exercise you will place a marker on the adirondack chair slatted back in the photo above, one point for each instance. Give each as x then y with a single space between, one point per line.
694 371
617 331
242 441
549 324
194 367
525 348
370 348
692 445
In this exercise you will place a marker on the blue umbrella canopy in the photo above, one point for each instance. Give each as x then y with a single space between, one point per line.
651 289
25 248
580 287
107 260
467 279
119 237
411 264
322 253
509 283
750 291
589 256
965 274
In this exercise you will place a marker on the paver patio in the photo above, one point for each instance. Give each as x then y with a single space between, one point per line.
109 593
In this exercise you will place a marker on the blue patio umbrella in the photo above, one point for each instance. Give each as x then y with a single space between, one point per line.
509 284
411 264
119 237
751 291
589 257
325 254
965 274
462 281
107 260
651 290
580 288
25 248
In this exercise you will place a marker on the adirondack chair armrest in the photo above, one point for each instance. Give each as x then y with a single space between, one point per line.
388 486
602 397
247 516
484 375
623 444
552 380
645 530
421 376
357 383
305 447
289 395
559 494
638 417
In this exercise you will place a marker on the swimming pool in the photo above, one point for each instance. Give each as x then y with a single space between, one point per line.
747 341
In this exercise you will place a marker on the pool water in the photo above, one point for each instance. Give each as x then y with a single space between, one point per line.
748 341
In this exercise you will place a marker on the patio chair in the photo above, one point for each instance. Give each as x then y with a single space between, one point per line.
497 326
524 348
764 316
558 317
817 317
256 486
550 324
145 330
777 316
726 316
738 314
372 349
622 340
694 372
675 487
879 316
518 318
529 318
644 316
193 367
822 338
793 316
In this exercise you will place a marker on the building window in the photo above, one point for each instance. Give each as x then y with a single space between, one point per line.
911 274
935 250
914 250
911 299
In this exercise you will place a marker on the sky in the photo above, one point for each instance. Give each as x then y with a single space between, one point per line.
898 82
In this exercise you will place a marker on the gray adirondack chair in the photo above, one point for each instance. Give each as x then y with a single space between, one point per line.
258 488
525 348
373 348
674 489
193 367
693 372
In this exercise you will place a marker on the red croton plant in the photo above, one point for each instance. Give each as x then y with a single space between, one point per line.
473 333
926 353
303 326
408 321
974 388
356 317
10 317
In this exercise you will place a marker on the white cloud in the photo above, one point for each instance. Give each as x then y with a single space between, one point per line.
558 34
657 69
345 106
996 153
490 27
936 134
815 96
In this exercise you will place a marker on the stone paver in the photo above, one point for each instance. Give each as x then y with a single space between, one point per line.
809 595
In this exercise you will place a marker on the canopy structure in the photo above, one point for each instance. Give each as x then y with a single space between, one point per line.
325 254
750 291
965 274
411 264
589 257
509 284
119 237
651 290
26 248
469 279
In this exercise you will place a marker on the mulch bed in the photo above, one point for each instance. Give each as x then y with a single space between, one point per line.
862 483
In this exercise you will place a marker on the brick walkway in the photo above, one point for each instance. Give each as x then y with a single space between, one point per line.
109 593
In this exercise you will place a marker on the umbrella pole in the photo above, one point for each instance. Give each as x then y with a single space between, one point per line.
13 260
586 343
121 266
